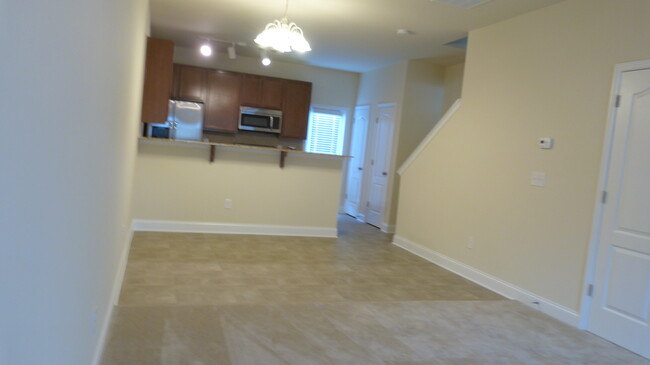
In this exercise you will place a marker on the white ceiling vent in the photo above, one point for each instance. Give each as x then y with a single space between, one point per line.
464 3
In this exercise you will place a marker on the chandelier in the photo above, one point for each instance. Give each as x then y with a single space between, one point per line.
283 36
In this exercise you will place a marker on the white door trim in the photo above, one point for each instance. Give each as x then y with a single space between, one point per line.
352 137
594 240
388 204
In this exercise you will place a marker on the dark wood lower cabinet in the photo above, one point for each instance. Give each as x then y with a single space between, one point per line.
295 109
222 101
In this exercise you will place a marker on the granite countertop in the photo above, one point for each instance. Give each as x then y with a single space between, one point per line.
237 145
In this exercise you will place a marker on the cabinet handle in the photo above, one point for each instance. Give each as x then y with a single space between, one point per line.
360 168
384 173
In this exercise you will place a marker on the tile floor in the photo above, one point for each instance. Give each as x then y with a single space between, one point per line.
202 299
209 269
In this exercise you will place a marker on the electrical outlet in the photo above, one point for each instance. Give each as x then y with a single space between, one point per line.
470 243
538 178
228 204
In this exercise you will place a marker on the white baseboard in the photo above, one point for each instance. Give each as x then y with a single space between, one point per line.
115 297
488 281
232 228
387 228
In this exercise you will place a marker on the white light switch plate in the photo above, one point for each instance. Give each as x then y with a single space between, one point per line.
538 178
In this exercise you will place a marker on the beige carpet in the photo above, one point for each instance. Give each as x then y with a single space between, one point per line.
433 332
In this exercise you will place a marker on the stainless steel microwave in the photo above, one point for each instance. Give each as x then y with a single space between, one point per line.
260 120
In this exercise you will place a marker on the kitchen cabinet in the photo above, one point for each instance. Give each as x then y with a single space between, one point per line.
272 93
190 83
222 101
295 109
223 92
262 91
158 76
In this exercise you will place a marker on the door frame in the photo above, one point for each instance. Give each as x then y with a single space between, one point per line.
360 217
594 241
386 227
367 168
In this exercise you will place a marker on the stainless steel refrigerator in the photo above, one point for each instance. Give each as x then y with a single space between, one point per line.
184 122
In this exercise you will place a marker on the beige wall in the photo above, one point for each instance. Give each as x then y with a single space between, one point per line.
543 74
453 84
417 87
177 183
305 194
422 107
424 91
384 85
71 95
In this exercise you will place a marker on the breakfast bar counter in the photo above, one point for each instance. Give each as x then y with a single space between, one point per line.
213 148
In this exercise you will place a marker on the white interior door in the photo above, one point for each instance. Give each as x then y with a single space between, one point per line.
620 307
355 164
380 164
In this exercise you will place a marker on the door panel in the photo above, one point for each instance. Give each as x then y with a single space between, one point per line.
634 212
355 165
380 164
628 269
620 308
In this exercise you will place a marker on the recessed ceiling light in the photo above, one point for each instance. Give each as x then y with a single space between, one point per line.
405 32
463 3
206 50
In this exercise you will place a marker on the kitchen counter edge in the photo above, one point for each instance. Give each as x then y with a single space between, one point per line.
231 145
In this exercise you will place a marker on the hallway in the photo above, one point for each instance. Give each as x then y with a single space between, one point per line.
358 299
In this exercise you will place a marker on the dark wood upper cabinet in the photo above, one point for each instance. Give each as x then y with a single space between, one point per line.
295 110
251 90
157 80
190 83
223 92
222 101
272 93
262 91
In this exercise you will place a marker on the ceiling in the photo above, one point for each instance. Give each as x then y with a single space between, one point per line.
350 35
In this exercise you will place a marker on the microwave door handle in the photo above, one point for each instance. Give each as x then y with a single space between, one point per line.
271 126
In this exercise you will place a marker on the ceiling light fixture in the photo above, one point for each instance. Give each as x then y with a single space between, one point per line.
265 58
283 36
206 50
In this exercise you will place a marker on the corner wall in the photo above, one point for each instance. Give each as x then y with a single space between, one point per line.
453 84
418 89
70 100
542 74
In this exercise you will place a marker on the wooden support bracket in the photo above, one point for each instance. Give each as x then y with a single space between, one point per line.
213 152
283 155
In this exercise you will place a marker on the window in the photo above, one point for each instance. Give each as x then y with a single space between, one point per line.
326 131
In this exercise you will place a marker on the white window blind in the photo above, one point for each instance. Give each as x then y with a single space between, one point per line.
326 131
